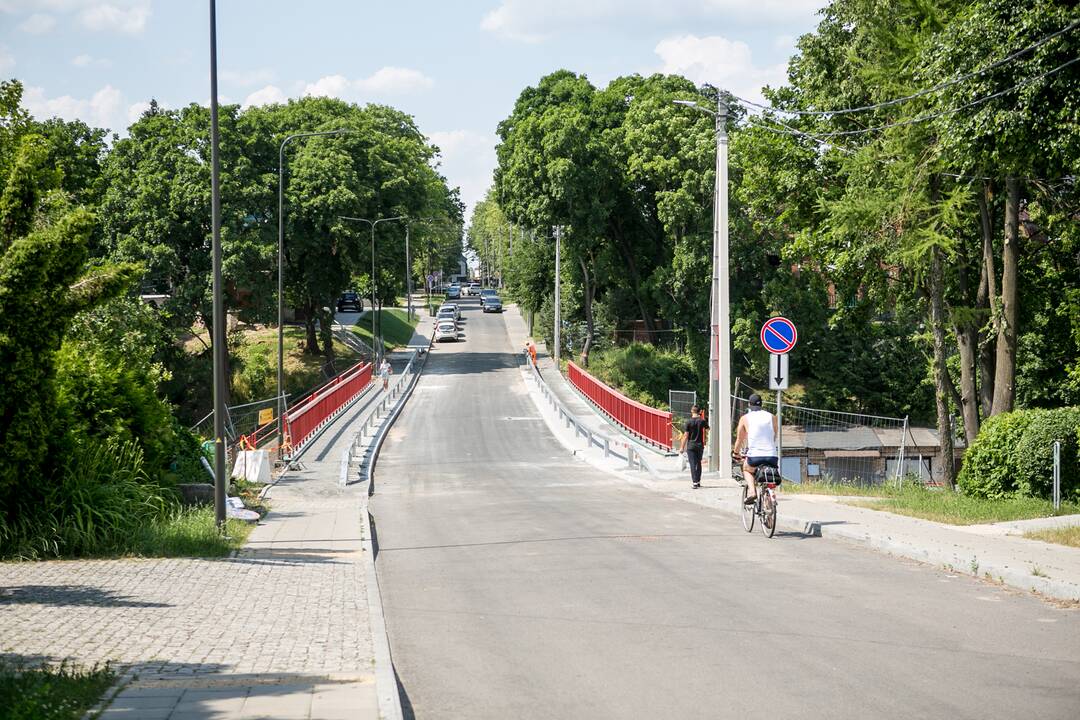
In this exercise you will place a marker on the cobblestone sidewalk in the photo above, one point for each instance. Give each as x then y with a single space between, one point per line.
279 631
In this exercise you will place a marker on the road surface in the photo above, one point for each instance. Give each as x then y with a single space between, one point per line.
520 583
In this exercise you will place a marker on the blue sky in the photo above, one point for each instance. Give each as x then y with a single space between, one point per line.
457 66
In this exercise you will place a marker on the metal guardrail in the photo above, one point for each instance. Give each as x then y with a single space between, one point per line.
634 459
377 419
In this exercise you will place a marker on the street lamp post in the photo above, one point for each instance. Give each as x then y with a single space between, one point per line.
372 224
720 308
281 277
219 300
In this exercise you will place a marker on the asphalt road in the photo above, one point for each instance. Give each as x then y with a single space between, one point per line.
520 583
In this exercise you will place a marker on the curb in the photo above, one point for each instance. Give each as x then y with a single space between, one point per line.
386 685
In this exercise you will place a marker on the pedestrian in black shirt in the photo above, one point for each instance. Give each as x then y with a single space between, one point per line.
693 443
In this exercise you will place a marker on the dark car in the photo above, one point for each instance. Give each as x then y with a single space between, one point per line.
492 304
350 301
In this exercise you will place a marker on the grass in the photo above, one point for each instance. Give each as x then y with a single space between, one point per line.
956 509
190 532
58 692
1062 536
831 488
397 330
253 363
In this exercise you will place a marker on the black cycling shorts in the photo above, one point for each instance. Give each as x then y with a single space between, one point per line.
771 461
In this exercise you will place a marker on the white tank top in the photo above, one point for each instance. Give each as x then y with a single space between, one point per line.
760 438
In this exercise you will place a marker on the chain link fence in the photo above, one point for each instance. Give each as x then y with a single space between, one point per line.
843 448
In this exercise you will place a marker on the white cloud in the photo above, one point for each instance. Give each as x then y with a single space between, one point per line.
531 21
128 18
385 81
135 111
720 62
38 24
84 61
7 60
394 81
268 95
468 161
105 108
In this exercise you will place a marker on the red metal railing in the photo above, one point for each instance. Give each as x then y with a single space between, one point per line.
313 412
648 423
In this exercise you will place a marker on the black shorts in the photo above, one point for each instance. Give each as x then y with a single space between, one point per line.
756 461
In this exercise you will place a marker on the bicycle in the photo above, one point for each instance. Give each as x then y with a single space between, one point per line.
767 479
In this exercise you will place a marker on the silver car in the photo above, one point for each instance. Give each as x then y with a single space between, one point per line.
446 330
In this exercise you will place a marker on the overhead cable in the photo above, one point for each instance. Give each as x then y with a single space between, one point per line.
926 91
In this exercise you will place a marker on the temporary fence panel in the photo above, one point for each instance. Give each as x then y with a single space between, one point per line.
650 424
828 446
302 421
680 402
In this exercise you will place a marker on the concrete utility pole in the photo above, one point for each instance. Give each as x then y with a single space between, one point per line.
219 302
720 306
558 315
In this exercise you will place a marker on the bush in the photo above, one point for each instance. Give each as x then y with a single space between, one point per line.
644 372
991 466
1036 453
1013 455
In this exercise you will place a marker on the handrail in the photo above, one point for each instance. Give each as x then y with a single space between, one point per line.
651 425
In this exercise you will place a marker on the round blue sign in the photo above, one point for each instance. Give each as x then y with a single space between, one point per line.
778 335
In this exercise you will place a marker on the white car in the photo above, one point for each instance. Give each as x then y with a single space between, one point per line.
451 306
446 330
446 314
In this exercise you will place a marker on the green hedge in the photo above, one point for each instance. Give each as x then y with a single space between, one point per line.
643 372
1013 455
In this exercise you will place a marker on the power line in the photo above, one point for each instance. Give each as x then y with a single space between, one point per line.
921 93
937 114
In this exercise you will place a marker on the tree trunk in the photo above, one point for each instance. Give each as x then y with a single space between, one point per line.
589 290
311 344
966 328
1005 370
326 327
941 379
988 299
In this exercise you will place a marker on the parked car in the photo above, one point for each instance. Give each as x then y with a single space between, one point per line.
487 293
451 306
350 301
453 292
492 304
446 314
474 288
446 330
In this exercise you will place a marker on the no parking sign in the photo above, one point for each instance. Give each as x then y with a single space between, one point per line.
778 335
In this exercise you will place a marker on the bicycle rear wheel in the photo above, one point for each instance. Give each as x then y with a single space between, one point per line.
768 513
747 511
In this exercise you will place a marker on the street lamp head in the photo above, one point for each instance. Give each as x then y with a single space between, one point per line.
687 103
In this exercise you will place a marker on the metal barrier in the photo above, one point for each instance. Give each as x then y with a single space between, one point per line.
375 420
634 459
651 425
303 421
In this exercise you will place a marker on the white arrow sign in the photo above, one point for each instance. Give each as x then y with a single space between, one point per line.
778 371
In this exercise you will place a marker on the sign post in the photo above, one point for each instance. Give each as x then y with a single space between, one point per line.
779 336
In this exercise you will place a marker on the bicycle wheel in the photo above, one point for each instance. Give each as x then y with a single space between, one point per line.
747 511
768 513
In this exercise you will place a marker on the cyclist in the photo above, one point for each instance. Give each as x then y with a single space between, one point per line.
757 435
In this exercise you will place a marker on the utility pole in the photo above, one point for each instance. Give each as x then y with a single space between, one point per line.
408 273
219 301
558 316
720 365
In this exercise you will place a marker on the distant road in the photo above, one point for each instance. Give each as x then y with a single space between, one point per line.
520 583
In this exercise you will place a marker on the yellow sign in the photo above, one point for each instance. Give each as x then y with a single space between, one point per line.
266 415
